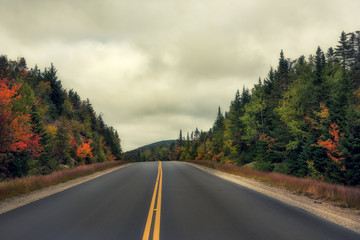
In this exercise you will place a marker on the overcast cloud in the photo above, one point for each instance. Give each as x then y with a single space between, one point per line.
155 66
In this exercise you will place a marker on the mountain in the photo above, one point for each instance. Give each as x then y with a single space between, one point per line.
157 151
156 144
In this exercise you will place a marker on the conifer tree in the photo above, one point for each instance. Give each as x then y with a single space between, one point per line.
342 50
57 93
180 139
3 64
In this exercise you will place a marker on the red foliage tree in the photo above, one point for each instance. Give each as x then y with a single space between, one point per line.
332 145
15 128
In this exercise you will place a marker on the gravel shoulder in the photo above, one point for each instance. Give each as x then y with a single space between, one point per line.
342 216
18 201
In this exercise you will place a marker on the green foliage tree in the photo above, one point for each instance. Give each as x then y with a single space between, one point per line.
57 94
303 119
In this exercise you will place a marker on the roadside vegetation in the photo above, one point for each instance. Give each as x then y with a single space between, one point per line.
14 187
44 126
299 127
302 119
343 196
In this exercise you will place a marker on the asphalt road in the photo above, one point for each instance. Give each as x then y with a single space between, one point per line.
194 205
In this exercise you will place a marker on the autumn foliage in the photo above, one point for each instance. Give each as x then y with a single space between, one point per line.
332 145
84 150
15 127
44 127
271 142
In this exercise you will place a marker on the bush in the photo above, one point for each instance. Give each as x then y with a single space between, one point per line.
263 166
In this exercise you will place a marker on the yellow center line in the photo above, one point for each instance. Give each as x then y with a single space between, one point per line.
147 230
156 233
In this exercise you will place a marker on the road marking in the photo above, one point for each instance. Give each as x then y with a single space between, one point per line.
156 233
158 186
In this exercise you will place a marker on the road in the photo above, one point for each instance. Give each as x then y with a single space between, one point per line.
194 205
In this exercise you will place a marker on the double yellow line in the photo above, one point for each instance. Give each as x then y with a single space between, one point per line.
157 210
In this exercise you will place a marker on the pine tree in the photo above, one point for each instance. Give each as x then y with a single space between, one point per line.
219 122
320 88
180 139
3 64
57 93
218 133
75 99
236 104
319 66
22 63
196 133
342 50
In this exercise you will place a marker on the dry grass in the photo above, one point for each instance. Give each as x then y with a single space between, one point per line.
14 187
341 195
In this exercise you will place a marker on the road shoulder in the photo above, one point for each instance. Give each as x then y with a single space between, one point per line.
18 201
344 217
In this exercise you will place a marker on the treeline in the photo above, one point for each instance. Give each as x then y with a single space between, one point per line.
159 151
302 119
44 127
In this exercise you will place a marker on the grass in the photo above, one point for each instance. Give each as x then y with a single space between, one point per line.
341 195
18 186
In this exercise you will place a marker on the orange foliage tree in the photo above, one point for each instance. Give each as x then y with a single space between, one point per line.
332 145
15 127
85 151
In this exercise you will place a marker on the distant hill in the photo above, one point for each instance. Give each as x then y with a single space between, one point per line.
160 143
152 152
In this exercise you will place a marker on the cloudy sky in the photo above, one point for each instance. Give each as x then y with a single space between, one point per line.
153 67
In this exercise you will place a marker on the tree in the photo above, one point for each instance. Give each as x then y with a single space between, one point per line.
22 63
319 66
62 144
75 99
332 145
180 139
84 151
15 127
41 126
342 50
57 93
282 79
218 133
3 64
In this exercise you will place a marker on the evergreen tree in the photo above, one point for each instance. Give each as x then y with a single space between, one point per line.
57 93
180 139
75 99
219 122
196 133
3 64
282 79
22 63
218 133
319 66
342 50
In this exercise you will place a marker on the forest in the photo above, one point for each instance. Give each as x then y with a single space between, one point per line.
158 151
44 127
302 119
